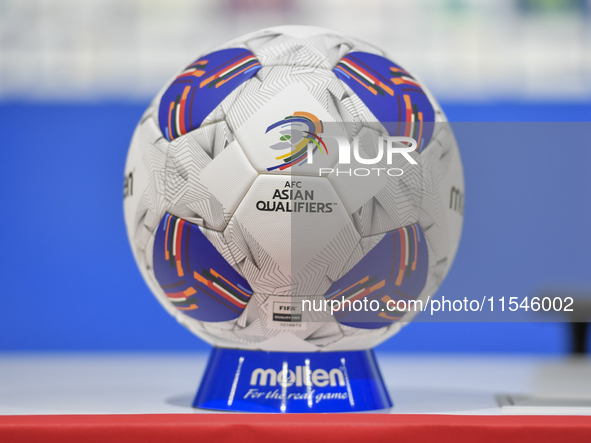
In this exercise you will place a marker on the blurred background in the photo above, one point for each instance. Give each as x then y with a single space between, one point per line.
76 75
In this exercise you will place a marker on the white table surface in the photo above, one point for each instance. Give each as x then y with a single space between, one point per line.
135 383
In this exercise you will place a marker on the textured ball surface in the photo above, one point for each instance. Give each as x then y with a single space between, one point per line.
238 210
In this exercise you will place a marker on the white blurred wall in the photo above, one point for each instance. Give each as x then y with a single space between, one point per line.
462 49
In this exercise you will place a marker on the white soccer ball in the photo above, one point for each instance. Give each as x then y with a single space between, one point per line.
266 178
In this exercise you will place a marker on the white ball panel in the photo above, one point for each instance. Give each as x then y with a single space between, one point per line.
289 250
203 190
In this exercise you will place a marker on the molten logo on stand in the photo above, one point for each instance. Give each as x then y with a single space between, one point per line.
302 376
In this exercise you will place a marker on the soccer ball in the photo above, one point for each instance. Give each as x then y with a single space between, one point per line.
283 172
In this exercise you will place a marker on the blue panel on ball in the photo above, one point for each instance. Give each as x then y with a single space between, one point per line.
390 93
196 278
258 381
388 280
201 87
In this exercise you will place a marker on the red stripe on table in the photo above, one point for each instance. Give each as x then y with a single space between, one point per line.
293 428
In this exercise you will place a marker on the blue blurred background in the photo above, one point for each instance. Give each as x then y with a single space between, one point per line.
75 78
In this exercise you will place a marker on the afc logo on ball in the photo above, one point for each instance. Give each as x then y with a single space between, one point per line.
301 135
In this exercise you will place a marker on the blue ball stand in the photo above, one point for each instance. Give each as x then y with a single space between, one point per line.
283 382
